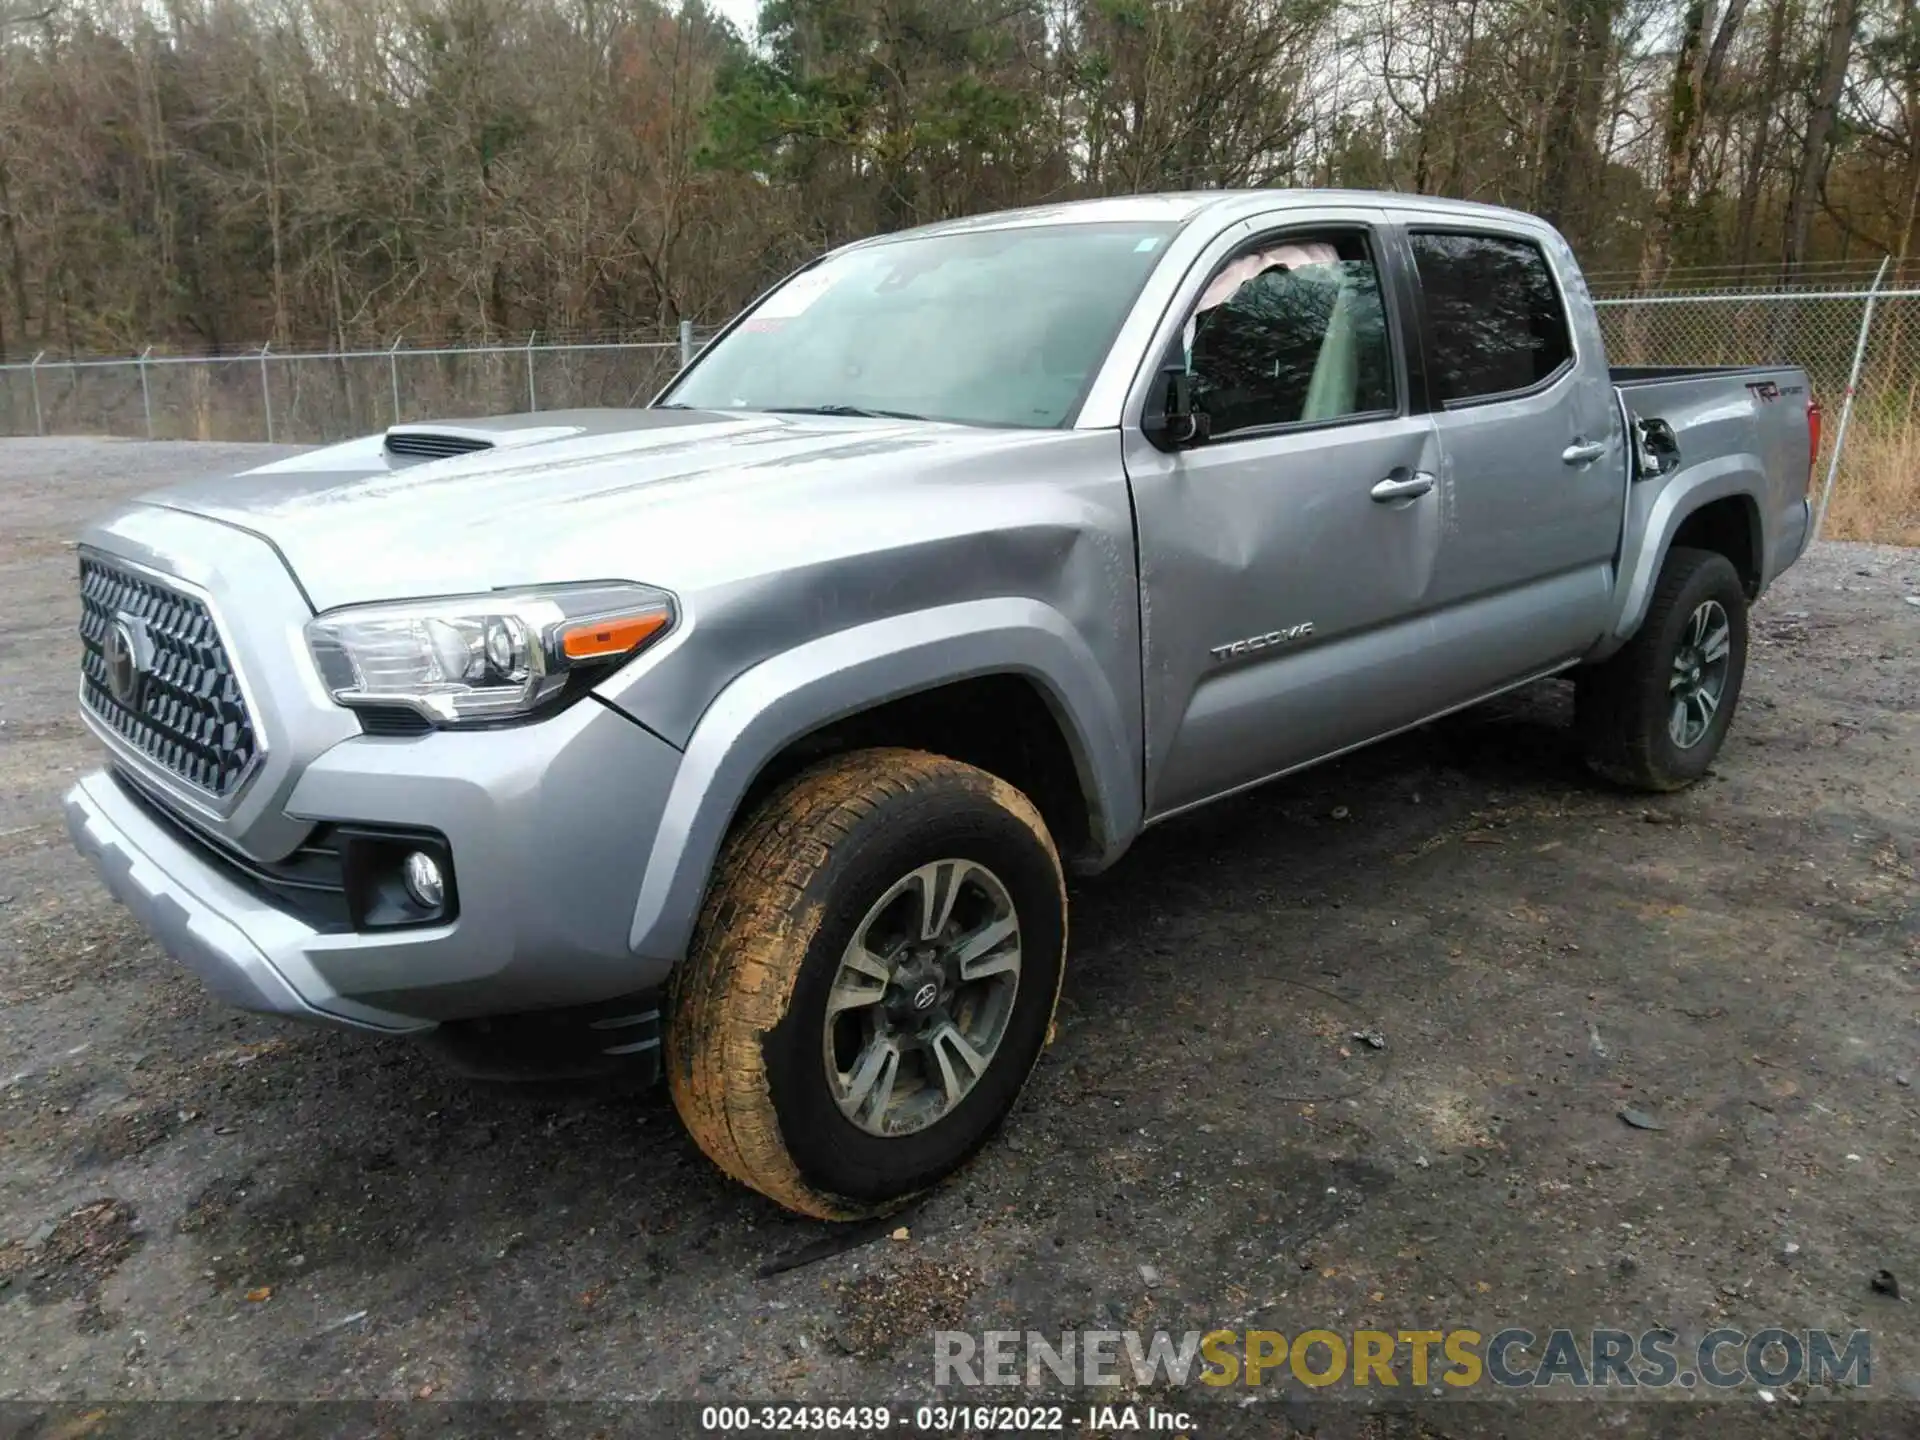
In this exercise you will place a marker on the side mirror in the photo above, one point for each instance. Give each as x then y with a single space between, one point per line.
1171 422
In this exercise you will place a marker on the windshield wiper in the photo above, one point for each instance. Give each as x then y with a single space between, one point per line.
856 410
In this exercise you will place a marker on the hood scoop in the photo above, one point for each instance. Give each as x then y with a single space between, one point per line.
433 443
442 439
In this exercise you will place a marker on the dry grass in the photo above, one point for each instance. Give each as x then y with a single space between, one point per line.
1876 495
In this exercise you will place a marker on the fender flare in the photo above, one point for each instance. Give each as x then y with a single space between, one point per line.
1658 519
789 695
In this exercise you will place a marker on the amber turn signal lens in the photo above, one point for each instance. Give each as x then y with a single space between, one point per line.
599 639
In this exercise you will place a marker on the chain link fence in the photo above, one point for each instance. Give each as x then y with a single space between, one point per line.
314 398
1861 350
1859 338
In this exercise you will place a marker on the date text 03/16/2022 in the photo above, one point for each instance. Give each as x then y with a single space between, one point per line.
942 1419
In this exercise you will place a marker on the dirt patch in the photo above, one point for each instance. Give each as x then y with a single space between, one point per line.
210 1208
70 1258
127 1132
902 1304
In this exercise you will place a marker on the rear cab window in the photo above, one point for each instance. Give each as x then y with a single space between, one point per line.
1495 323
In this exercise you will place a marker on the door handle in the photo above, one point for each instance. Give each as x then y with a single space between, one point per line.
1583 452
1390 489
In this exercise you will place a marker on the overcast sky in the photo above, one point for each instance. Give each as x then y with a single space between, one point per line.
741 12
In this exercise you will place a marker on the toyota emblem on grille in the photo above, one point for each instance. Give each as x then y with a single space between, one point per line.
128 654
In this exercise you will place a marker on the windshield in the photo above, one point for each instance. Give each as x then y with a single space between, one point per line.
991 327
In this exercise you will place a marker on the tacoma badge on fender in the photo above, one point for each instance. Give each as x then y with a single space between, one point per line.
1262 642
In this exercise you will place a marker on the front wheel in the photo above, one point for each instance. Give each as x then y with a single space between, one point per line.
1654 715
871 980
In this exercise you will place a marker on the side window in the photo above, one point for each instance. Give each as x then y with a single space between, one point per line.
1289 333
1494 319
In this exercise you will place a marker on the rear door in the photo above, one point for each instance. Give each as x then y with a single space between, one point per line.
1533 467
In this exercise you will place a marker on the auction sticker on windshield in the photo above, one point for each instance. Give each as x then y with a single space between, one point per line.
797 294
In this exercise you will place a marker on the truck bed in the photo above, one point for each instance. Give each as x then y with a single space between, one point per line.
1628 376
1743 439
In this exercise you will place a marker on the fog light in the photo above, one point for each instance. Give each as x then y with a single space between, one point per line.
423 880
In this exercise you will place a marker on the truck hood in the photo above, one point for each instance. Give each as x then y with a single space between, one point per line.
686 500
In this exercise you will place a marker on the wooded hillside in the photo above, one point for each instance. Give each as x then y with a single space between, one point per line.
211 174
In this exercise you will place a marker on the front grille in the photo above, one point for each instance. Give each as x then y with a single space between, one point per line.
185 712
425 445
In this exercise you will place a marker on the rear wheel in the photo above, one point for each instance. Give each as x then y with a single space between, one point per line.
1654 715
871 980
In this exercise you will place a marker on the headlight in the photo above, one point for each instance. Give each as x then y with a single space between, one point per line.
483 658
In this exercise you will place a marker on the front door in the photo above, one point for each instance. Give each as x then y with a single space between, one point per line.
1286 560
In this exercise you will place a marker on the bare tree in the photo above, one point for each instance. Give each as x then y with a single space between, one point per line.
1815 153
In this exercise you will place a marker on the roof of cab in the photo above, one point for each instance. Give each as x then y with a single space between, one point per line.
1182 206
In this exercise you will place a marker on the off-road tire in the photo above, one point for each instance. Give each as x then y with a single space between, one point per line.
743 1046
1621 706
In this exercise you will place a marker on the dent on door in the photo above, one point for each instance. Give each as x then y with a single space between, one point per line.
1279 599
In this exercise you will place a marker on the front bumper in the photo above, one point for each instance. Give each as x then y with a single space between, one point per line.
240 947
549 826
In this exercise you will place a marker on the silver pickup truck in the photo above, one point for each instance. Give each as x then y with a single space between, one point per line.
749 735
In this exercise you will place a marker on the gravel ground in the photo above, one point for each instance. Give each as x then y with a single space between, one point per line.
196 1203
